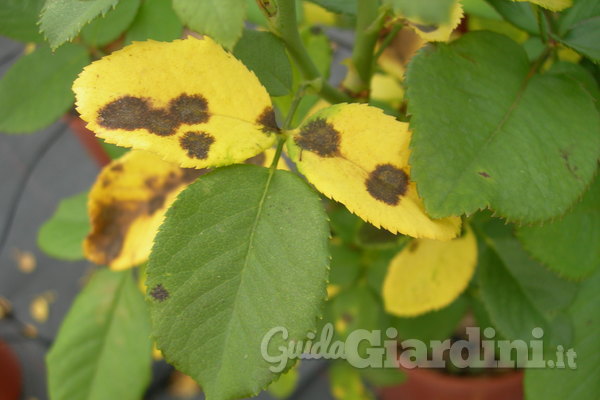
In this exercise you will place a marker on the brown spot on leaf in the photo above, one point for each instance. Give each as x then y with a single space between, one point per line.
189 109
127 113
484 174
320 137
387 183
268 121
159 293
130 112
116 167
258 159
413 246
197 144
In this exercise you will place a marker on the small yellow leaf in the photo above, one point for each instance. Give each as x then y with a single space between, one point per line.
386 88
188 101
357 155
127 205
40 307
442 33
429 274
554 5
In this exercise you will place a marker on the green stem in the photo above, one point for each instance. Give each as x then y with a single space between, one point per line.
284 24
368 24
289 118
541 24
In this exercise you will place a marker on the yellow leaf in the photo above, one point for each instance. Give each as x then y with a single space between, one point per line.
554 5
188 101
429 274
386 88
357 155
127 205
317 15
442 33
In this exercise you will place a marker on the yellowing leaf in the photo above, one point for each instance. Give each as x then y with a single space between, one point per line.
386 88
357 155
127 205
554 5
188 101
441 33
429 274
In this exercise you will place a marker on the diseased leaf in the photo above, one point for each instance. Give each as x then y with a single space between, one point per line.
63 234
155 20
106 28
569 245
427 275
35 91
519 293
222 20
497 135
264 54
18 19
433 21
241 251
431 12
106 334
188 101
358 156
127 205
61 20
580 383
346 382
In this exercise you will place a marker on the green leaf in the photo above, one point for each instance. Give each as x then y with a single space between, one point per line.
18 19
61 20
435 325
519 293
569 245
264 54
338 6
36 90
103 348
520 14
243 250
155 20
497 135
581 10
107 28
583 38
63 234
432 12
480 8
581 383
223 20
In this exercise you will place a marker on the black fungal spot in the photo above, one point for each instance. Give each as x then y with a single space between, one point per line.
127 113
197 144
117 168
130 112
156 203
159 293
258 159
160 123
320 137
484 174
268 121
189 109
387 183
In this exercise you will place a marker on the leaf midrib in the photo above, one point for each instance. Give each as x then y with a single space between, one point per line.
227 330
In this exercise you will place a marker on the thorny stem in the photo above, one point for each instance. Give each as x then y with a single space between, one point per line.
282 18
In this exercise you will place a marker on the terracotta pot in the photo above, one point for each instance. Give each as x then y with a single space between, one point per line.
88 139
430 384
10 374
